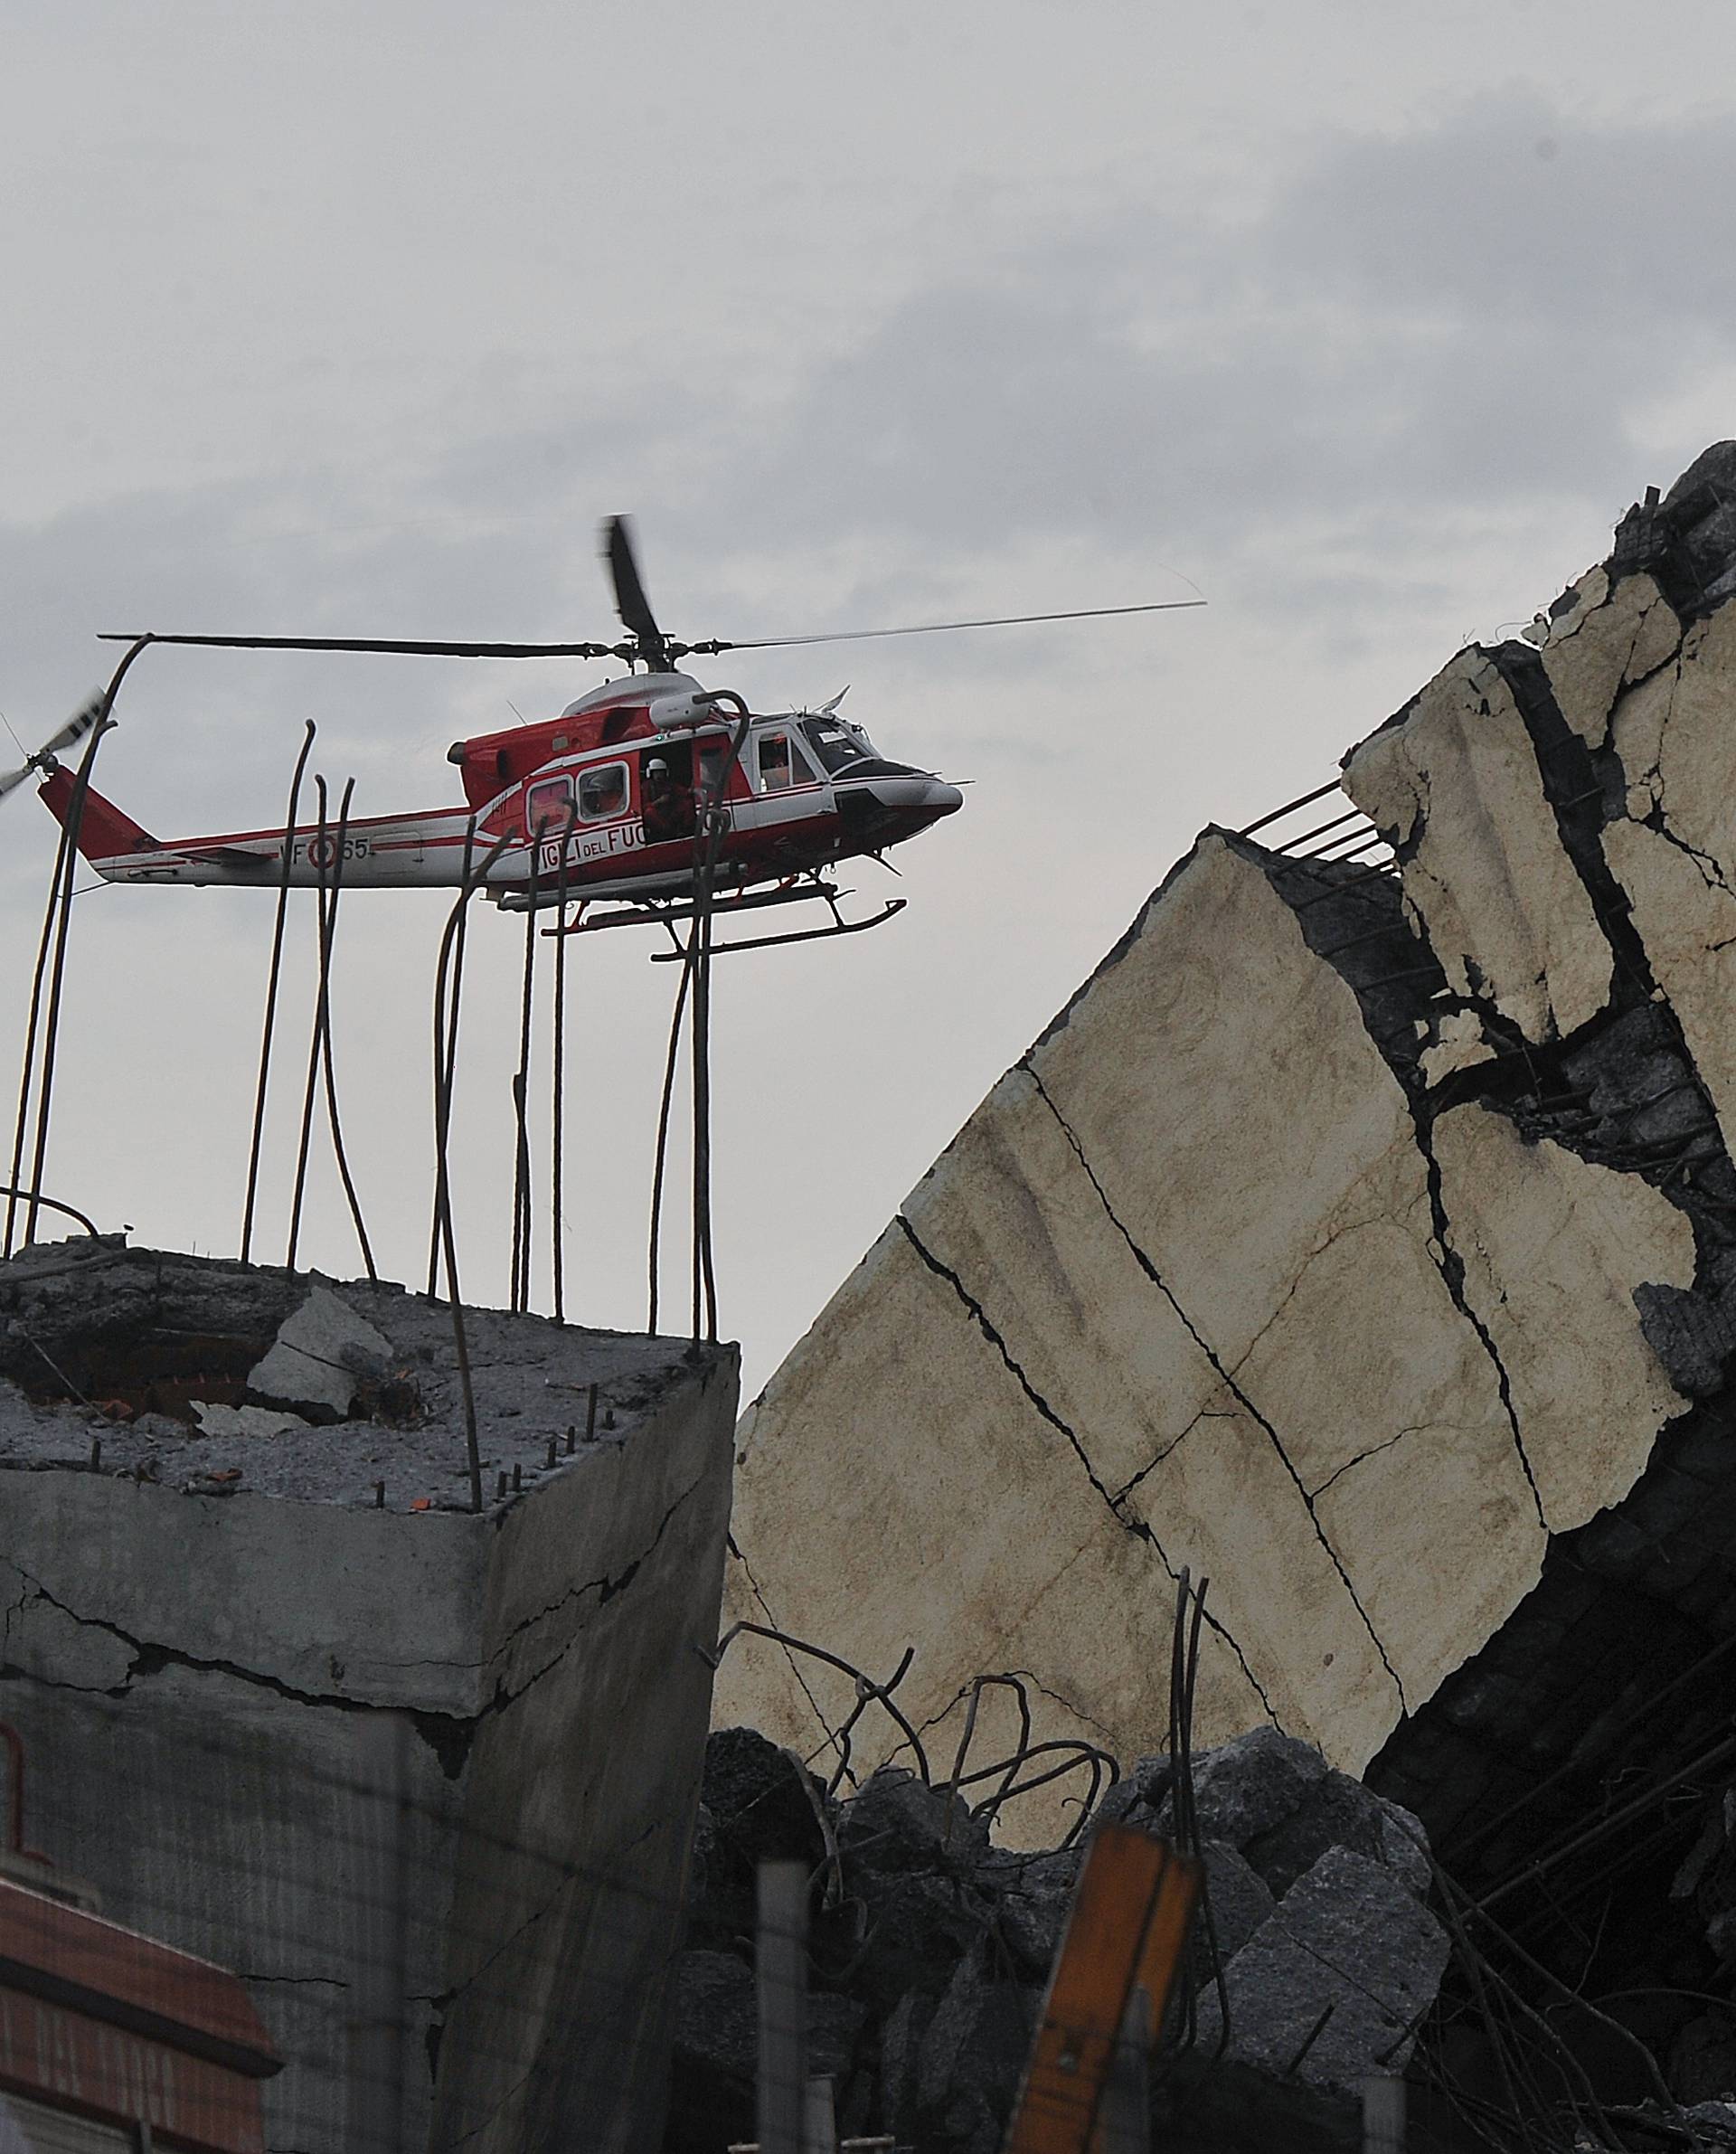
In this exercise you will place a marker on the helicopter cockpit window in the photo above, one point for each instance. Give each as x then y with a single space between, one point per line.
836 743
783 762
547 807
775 775
602 793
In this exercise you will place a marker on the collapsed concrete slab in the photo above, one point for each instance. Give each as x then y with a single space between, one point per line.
1355 1240
205 1633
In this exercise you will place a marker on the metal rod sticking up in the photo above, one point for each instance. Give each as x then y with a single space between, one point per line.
317 851
446 1038
272 979
327 853
328 936
557 1105
60 912
522 1209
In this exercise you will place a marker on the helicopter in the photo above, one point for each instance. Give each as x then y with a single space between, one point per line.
642 801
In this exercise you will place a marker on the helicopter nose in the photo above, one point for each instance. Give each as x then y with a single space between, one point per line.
916 789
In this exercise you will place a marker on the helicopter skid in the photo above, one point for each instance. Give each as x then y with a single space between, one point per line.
658 915
840 926
670 916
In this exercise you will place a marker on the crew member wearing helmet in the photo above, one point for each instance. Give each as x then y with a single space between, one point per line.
668 806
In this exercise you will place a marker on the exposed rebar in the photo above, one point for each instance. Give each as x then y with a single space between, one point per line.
61 913
272 977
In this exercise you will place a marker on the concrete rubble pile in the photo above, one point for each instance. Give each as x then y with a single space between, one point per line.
930 1948
1365 1241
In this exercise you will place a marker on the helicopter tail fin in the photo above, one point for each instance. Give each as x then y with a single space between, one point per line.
104 833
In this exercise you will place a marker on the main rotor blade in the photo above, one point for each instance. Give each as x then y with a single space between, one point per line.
941 628
11 779
630 601
390 645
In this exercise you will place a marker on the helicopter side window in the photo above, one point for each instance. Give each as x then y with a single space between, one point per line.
602 793
547 806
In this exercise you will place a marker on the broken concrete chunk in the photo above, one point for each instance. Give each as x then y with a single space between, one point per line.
1349 1941
1238 1897
1692 1331
1604 641
1404 1848
1458 1044
1033 1914
1248 1786
215 1420
1456 785
319 1355
902 1824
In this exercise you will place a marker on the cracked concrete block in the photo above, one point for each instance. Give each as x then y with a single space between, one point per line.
1675 856
898 1380
1130 1304
1687 922
230 1661
1083 1319
1672 736
1284 1597
1164 1333
1347 1936
1180 1072
1554 1249
1436 1574
321 1351
1603 641
1453 783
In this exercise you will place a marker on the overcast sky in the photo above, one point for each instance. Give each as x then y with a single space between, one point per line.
334 319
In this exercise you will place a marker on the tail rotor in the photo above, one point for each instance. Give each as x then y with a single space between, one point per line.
42 763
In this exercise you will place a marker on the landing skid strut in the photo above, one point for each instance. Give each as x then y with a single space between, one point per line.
669 916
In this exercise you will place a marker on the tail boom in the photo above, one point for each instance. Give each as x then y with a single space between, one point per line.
425 850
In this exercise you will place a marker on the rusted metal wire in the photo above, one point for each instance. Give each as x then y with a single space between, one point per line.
520 1296
48 1204
660 1166
557 1105
1333 890
327 937
713 822
15 1193
1289 808
60 912
975 1689
317 853
448 981
272 977
868 1692
449 974
1074 1754
328 850
709 825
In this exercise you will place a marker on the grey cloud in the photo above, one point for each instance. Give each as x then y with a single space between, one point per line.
1412 324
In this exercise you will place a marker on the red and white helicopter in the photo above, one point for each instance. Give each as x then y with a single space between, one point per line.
602 806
